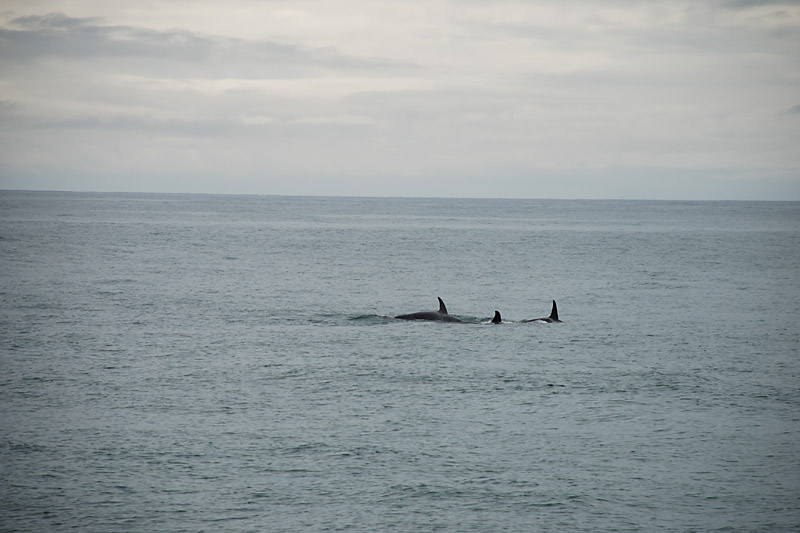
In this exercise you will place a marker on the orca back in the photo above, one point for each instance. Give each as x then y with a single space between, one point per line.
441 315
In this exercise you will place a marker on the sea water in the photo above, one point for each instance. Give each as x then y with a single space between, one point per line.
189 363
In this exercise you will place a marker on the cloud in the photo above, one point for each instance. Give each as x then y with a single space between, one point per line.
81 73
53 21
794 110
179 52
744 4
335 97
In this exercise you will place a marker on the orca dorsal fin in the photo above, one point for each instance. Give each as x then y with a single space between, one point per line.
554 312
442 308
496 319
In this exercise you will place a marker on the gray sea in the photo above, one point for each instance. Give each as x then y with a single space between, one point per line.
185 363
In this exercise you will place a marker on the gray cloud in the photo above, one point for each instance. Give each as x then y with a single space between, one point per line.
695 29
744 4
53 21
181 52
794 110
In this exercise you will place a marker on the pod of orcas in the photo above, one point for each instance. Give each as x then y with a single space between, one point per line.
443 316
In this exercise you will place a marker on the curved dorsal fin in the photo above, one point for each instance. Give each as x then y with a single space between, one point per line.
442 308
496 319
554 312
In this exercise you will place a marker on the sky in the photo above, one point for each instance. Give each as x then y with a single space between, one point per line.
683 100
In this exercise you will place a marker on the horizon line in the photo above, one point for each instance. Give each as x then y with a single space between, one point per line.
387 197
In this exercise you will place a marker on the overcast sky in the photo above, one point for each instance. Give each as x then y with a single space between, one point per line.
540 99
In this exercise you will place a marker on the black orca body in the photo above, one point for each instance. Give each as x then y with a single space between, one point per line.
550 319
496 319
441 315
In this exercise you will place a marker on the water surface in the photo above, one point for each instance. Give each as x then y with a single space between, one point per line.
204 363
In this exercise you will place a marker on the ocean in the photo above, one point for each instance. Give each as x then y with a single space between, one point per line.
186 363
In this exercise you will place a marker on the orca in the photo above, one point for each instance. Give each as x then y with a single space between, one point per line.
496 319
441 315
550 319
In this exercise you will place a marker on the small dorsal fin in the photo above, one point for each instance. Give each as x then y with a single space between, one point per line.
442 308
554 312
496 319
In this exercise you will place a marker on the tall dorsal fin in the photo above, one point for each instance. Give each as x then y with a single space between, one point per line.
496 319
554 312
442 308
